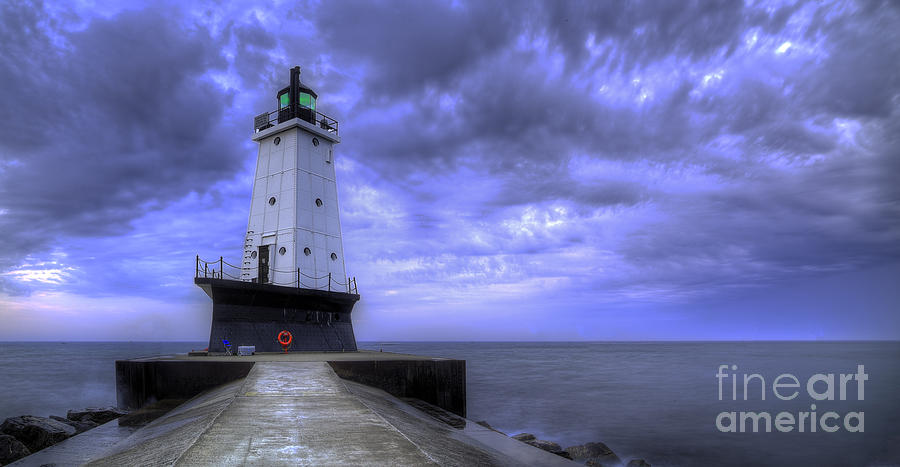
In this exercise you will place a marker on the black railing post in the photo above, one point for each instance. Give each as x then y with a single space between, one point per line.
329 282
298 278
221 268
205 269
197 267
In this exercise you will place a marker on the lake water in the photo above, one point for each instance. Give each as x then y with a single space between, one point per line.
655 400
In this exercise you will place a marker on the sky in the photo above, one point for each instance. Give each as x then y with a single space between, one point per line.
508 170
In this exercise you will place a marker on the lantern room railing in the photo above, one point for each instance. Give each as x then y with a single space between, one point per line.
221 269
270 119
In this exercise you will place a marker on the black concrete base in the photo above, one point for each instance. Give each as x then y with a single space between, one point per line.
440 382
142 382
246 313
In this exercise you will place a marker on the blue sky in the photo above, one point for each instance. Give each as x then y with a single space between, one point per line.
508 171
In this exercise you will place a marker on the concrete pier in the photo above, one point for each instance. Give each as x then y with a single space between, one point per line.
299 413
438 381
302 408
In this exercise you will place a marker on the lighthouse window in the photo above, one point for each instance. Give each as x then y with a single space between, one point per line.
318 202
307 252
272 201
284 100
277 140
282 250
334 256
253 255
315 141
306 100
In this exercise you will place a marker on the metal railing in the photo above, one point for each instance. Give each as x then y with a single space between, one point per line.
222 269
270 119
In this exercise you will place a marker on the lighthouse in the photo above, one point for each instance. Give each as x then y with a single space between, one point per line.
292 275
294 221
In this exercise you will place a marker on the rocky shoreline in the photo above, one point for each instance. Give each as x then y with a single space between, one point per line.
27 434
591 454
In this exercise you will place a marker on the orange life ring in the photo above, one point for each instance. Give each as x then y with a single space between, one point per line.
285 338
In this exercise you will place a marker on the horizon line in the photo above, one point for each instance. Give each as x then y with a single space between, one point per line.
394 341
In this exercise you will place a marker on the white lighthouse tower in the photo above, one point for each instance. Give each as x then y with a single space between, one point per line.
294 231
292 278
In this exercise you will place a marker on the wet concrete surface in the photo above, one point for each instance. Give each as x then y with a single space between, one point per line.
296 413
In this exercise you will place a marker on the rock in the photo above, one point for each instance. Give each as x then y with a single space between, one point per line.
80 427
524 437
11 450
548 446
36 433
489 427
637 463
598 454
98 415
588 450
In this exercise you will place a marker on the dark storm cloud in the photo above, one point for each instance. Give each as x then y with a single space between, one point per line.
781 189
253 44
521 126
529 181
518 108
409 44
770 230
504 101
860 77
105 123
645 31
836 214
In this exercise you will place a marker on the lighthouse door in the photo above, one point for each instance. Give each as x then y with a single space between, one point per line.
263 266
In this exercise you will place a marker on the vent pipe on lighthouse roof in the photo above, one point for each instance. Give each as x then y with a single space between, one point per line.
295 84
297 100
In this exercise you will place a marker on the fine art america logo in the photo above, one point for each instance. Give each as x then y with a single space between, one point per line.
787 387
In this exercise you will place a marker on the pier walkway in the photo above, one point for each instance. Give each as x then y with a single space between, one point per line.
302 413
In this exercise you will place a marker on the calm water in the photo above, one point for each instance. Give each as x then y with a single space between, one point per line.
49 378
658 401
